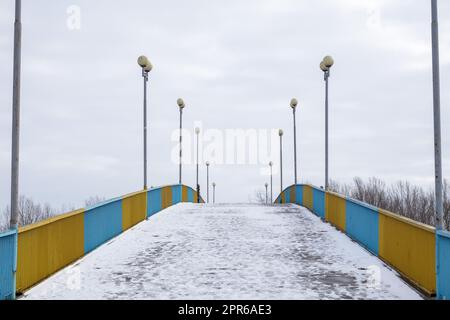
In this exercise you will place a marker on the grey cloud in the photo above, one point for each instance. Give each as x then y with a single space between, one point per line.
237 64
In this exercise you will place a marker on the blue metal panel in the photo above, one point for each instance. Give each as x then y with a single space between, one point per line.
287 195
8 241
102 223
176 194
362 224
190 195
319 202
154 201
299 195
443 265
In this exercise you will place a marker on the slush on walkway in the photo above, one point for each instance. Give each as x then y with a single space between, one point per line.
192 251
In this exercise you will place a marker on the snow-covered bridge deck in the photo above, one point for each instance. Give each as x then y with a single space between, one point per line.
193 251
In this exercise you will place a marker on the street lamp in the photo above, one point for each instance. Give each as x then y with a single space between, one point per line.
437 117
181 106
294 104
14 219
207 181
197 132
146 67
280 133
271 181
325 66
214 192
267 196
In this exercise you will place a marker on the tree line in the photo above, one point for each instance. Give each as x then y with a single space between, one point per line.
404 198
31 211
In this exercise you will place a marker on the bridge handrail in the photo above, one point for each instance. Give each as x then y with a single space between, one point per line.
7 264
46 247
51 220
443 264
408 246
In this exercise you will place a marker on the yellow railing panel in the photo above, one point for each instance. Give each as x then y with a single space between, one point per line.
335 210
166 197
410 247
184 194
47 247
134 209
292 194
308 197
195 197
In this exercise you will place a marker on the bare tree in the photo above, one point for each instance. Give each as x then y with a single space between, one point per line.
447 204
403 198
31 212
259 196
337 187
3 221
93 200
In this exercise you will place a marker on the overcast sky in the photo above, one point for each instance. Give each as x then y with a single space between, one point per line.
237 64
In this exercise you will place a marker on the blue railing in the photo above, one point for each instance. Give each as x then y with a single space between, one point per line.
443 264
419 252
8 242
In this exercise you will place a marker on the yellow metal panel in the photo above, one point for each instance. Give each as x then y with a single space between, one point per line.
409 247
47 247
195 197
308 197
134 209
166 197
292 195
283 197
184 194
335 210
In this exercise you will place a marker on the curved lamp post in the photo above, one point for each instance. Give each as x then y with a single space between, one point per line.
271 181
197 132
146 67
325 66
280 133
207 181
294 104
181 106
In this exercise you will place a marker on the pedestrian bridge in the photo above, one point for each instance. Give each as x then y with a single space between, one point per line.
160 244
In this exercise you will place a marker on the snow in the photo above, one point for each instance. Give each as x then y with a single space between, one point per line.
195 251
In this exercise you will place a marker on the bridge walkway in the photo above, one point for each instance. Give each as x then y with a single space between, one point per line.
243 251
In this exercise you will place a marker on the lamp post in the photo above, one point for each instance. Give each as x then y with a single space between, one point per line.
214 192
146 67
437 117
280 133
14 221
294 104
181 106
325 66
271 181
207 182
197 132
267 196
